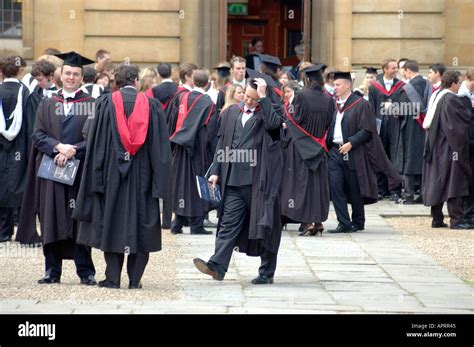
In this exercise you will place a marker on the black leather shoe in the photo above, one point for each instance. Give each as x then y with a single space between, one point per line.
201 232
409 200
340 229
208 224
204 267
89 280
176 232
394 197
108 284
262 280
49 280
462 226
135 285
438 224
5 238
356 228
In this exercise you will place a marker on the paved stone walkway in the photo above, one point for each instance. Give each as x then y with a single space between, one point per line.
373 271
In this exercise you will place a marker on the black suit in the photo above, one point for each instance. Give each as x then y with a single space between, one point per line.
343 183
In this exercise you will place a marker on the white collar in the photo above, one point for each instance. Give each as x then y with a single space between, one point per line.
187 87
199 90
386 80
69 94
167 80
129 87
341 101
437 84
10 79
251 109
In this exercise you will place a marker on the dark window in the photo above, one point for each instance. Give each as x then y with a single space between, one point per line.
10 18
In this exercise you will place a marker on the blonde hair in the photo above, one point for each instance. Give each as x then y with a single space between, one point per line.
52 59
148 72
229 95
147 82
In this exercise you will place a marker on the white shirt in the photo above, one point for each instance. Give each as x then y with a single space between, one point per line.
68 105
167 80
338 138
199 90
11 80
388 84
242 83
246 116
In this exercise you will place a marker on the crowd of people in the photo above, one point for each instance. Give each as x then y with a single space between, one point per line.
279 143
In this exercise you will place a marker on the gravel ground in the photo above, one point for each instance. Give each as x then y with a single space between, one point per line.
21 268
453 249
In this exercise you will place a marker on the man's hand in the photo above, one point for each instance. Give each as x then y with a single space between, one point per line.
67 150
60 160
261 87
213 179
345 148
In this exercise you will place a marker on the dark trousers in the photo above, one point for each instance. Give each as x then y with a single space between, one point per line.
179 221
53 253
6 221
236 208
341 180
469 205
166 215
409 183
455 211
136 264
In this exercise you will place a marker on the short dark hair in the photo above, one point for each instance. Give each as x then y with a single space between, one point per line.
11 66
164 70
438 67
449 78
43 67
402 60
51 51
126 75
255 40
89 74
186 69
201 78
412 65
100 54
100 76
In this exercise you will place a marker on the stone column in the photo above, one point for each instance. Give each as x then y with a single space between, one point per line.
342 57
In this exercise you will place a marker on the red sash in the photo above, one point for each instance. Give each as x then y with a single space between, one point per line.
321 141
133 130
384 91
149 93
183 111
278 91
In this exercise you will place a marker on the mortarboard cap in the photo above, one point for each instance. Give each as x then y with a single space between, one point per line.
371 70
223 70
74 59
342 75
313 69
252 74
269 60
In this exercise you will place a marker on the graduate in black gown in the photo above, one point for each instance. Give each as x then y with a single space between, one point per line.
167 89
305 188
356 155
446 167
413 101
248 167
126 172
91 88
43 72
269 66
383 93
192 124
223 81
58 134
15 140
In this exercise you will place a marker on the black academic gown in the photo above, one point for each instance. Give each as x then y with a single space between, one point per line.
367 158
261 231
410 145
54 202
305 189
390 127
446 168
118 201
14 154
192 145
165 93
